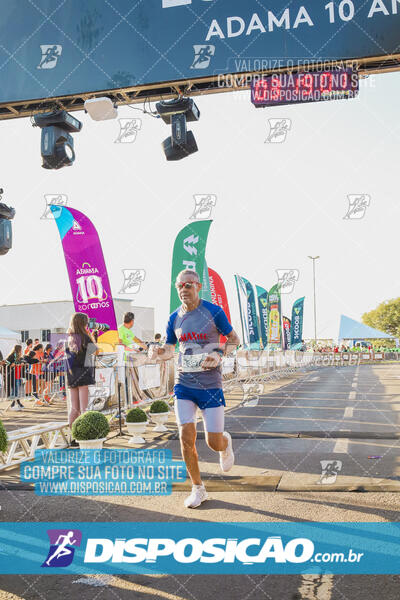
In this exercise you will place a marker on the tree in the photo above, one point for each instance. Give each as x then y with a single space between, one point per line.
385 317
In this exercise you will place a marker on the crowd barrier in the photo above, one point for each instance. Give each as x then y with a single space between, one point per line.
38 382
133 380
142 380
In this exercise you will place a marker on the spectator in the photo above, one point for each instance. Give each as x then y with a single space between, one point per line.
157 339
29 344
38 368
126 336
31 360
14 360
59 366
80 372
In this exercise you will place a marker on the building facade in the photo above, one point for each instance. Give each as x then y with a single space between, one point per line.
40 320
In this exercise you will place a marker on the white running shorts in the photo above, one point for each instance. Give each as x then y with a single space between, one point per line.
213 418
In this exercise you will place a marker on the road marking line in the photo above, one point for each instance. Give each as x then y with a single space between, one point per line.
354 384
352 395
342 445
348 412
315 587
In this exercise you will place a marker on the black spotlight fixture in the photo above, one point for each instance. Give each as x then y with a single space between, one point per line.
6 215
57 145
176 113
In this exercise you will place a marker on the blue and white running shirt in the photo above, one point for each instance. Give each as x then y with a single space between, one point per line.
197 332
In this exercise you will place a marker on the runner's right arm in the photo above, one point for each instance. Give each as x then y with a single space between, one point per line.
164 353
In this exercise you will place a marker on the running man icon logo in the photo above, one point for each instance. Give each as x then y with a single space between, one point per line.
61 551
57 201
358 204
202 56
204 204
133 279
287 279
50 55
330 471
251 393
278 130
128 130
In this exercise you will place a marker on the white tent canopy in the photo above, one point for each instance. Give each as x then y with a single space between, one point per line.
8 339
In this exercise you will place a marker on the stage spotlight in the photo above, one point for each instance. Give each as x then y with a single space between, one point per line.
177 112
6 215
101 109
57 145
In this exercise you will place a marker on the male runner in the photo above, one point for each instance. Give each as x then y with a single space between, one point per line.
197 326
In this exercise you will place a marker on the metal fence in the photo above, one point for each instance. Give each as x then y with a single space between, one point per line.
39 382
138 380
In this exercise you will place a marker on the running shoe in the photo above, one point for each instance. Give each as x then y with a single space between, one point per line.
15 407
197 496
227 457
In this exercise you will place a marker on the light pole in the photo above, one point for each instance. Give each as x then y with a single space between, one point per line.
314 258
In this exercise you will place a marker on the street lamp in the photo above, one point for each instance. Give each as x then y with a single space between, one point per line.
314 258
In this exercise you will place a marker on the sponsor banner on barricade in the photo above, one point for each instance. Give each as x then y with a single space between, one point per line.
149 377
199 548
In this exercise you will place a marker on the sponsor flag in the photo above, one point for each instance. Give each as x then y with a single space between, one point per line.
242 299
189 253
205 292
286 333
296 334
252 319
262 299
274 315
86 268
219 295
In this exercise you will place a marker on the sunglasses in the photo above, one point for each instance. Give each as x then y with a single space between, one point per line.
187 285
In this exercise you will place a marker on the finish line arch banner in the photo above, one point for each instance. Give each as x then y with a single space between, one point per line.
88 277
73 48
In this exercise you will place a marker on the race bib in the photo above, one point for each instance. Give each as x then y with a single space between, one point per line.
191 363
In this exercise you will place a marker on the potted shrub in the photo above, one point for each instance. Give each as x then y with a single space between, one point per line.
3 439
159 413
136 422
90 429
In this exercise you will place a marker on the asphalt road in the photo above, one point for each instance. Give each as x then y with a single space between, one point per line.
347 415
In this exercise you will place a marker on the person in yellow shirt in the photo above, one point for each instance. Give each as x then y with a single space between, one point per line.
126 336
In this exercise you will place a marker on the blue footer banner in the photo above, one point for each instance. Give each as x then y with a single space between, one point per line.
209 548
